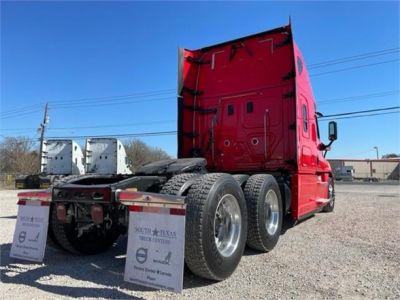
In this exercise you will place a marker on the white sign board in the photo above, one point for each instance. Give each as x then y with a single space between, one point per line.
30 233
155 255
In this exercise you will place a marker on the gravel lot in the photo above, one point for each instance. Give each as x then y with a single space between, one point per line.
351 253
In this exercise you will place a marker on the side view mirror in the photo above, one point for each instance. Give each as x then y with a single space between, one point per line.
332 129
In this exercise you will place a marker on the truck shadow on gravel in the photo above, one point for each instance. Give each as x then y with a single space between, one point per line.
70 275
9 217
287 224
80 274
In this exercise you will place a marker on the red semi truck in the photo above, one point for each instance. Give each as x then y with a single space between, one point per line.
249 155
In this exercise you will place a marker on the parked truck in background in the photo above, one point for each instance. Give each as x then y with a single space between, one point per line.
345 173
249 155
348 173
64 158
106 156
59 158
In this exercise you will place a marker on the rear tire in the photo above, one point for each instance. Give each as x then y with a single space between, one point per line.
264 204
65 235
51 238
179 184
241 179
216 226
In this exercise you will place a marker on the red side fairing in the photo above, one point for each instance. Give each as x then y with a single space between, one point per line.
237 104
313 170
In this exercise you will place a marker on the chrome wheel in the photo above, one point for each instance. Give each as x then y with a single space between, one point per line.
330 193
271 207
227 225
331 197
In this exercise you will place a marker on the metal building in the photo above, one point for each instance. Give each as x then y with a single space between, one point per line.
380 169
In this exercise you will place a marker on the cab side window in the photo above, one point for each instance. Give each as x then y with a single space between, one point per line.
230 110
305 121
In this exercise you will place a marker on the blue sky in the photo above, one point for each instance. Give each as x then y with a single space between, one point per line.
77 50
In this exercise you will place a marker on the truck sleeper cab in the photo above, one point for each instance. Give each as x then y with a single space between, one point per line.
247 106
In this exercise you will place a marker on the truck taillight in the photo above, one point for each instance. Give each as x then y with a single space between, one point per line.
40 197
96 211
61 213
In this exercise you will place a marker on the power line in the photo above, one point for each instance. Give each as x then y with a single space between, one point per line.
353 58
77 105
114 100
361 116
21 114
142 134
84 105
105 100
162 133
167 91
113 126
170 121
334 71
18 110
96 126
361 111
355 67
19 129
358 97
319 103
107 103
138 94
87 101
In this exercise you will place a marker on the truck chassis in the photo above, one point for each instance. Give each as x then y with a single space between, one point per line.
224 211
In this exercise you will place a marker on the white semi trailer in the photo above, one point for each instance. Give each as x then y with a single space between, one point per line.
62 157
59 158
106 156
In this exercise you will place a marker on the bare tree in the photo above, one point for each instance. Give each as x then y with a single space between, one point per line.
18 155
391 155
139 153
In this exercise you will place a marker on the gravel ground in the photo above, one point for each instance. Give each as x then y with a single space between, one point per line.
351 253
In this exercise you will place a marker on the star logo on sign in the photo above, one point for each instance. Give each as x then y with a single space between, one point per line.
155 232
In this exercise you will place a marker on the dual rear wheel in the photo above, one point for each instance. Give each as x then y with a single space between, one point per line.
220 219
264 204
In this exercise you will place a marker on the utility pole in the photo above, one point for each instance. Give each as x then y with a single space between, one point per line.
377 153
42 129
